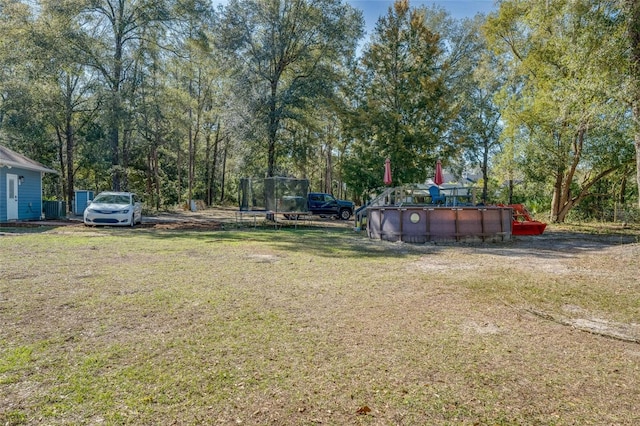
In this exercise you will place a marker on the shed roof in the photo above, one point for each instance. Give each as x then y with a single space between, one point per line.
13 159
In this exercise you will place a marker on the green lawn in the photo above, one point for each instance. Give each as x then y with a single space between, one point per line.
316 326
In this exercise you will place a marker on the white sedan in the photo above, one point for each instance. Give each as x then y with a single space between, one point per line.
114 208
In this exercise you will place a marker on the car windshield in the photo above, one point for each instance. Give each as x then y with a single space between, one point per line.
112 199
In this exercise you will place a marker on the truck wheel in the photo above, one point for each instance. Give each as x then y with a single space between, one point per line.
345 214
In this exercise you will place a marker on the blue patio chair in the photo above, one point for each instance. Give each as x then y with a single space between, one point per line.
436 198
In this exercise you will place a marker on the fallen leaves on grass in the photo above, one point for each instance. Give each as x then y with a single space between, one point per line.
363 410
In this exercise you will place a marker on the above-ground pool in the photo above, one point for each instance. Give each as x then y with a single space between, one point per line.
419 224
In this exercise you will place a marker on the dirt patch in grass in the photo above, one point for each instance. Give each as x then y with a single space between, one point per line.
189 322
211 226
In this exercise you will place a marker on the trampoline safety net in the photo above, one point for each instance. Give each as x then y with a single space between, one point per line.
277 194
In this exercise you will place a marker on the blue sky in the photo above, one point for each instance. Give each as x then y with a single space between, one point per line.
373 9
457 8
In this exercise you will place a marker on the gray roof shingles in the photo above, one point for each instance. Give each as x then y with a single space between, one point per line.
13 159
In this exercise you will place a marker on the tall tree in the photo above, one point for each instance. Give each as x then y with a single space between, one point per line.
196 80
66 86
286 53
14 19
561 54
633 37
475 80
403 114
153 105
24 112
110 36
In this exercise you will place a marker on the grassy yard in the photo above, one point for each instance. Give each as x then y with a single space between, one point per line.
317 326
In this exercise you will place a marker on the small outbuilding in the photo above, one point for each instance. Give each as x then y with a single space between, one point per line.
20 186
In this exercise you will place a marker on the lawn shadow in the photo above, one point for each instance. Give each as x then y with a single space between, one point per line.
316 241
27 228
563 243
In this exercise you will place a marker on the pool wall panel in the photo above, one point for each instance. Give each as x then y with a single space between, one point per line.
422 224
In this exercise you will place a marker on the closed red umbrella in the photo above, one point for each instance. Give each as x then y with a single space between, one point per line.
438 179
387 172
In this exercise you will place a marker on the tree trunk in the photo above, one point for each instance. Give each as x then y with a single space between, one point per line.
179 174
511 191
70 148
114 124
156 176
190 165
328 187
155 161
224 170
623 188
273 129
208 178
564 211
194 130
485 177
61 157
634 44
124 163
214 165
556 200
563 202
153 177
116 104
149 178
636 138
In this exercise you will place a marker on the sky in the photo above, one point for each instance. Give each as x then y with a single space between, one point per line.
458 9
373 9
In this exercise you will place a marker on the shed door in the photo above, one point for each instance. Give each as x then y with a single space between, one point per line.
12 197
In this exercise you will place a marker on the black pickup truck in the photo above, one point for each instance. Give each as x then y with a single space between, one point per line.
322 204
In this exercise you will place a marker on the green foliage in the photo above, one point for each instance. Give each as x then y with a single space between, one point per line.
177 101
612 200
566 66
285 53
402 115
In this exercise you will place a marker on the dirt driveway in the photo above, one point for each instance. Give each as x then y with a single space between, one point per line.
207 219
225 218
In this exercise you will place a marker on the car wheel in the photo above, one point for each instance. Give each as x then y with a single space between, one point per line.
133 220
345 214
